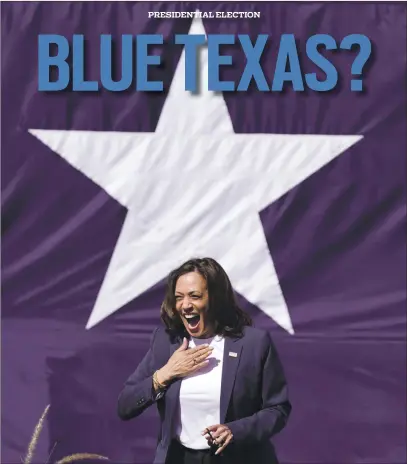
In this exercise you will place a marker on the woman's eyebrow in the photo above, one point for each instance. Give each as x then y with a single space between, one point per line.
189 293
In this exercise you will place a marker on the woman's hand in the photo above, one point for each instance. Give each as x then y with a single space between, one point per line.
219 435
183 362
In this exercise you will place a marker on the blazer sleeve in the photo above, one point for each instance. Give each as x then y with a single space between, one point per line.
276 407
138 394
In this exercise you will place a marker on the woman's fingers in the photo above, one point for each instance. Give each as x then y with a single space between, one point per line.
222 437
225 444
193 359
200 359
200 365
199 350
202 356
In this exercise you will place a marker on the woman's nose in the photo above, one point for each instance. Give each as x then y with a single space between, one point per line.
186 303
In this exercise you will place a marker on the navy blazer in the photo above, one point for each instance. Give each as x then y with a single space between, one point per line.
254 399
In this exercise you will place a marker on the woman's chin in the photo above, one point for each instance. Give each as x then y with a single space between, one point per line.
194 331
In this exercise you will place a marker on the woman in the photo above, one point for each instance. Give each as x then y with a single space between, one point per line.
217 382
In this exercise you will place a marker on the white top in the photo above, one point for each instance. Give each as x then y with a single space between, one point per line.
199 399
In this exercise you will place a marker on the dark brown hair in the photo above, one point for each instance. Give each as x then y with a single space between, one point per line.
223 310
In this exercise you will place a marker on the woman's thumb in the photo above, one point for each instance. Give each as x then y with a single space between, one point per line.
184 345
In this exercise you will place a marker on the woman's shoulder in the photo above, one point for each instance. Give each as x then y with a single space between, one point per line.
258 337
159 331
161 335
255 332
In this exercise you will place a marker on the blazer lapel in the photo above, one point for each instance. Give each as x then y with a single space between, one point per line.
172 394
231 358
174 346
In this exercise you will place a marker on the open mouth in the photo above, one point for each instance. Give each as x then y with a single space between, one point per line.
192 321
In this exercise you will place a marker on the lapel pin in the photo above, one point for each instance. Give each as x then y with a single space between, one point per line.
232 354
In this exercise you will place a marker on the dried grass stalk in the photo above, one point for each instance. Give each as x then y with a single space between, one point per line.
80 457
67 459
34 439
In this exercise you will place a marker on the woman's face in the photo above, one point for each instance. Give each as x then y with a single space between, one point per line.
191 302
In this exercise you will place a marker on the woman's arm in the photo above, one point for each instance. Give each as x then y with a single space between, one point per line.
139 391
276 407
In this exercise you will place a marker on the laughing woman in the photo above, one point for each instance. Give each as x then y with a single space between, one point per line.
217 382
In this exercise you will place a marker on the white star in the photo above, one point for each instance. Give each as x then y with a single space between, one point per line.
193 187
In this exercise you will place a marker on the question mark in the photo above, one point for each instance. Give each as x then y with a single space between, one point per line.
365 46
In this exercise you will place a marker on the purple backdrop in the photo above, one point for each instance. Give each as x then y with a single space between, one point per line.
337 240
